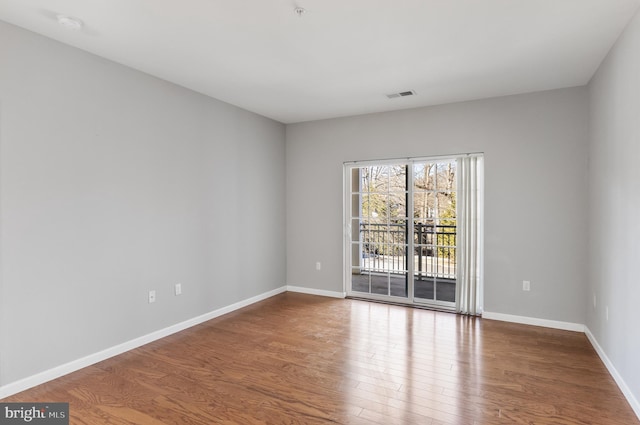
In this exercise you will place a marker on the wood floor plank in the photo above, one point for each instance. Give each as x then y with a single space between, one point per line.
303 359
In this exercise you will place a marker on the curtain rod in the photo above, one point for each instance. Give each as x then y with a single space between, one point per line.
409 159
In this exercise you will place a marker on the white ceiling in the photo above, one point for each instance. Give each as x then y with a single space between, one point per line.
342 56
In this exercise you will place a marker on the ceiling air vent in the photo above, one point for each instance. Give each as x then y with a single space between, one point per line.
401 94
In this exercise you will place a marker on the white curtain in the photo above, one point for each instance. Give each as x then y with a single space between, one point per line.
470 240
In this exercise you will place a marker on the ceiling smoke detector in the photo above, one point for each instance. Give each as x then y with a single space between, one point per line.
299 11
401 94
69 22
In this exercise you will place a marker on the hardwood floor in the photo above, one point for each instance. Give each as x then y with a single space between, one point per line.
302 359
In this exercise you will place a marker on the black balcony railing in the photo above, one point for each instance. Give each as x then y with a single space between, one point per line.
384 249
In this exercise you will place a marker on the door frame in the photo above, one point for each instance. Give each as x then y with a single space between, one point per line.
347 232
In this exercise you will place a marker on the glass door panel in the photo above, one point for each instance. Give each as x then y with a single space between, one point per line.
379 231
434 227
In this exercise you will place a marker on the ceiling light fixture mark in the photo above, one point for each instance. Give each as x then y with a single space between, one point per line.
299 11
70 22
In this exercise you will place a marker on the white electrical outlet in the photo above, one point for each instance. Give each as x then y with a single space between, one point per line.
318 265
178 288
152 296
526 285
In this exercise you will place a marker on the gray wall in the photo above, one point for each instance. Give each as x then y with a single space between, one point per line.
535 150
112 183
614 206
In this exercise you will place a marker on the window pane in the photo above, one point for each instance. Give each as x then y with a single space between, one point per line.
375 207
423 287
365 208
359 280
446 205
423 177
446 176
355 205
375 179
424 206
398 178
380 284
398 207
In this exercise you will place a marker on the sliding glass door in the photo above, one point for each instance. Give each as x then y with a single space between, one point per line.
400 231
434 221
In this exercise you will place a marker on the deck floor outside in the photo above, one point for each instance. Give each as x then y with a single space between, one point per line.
445 289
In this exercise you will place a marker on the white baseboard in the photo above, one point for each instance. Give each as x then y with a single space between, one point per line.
628 394
58 371
312 291
566 326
